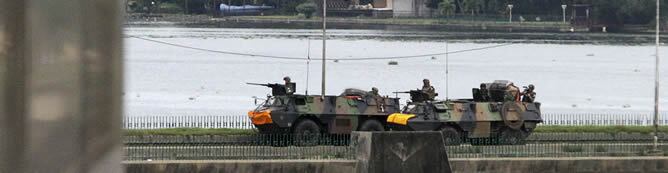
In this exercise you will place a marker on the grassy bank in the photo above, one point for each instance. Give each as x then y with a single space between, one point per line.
540 129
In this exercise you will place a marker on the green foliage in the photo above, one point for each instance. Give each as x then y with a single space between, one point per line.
188 131
307 8
168 8
195 6
572 149
433 4
617 12
446 7
290 6
600 149
472 6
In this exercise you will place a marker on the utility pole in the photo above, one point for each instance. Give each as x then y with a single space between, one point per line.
447 83
324 44
656 80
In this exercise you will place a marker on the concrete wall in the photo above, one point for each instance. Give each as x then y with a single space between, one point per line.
554 165
493 165
242 166
414 152
400 152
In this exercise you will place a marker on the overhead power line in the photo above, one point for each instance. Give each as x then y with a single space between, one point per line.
333 59
218 51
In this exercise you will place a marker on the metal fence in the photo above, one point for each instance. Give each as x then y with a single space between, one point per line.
259 147
565 149
158 122
577 119
243 122
238 147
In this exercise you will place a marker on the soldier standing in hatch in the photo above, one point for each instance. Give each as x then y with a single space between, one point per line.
428 89
377 98
528 95
374 92
289 86
512 93
484 93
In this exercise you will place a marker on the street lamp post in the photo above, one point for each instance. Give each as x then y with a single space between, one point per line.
563 12
510 18
656 80
150 9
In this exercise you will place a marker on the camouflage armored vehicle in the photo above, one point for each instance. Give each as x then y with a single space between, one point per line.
353 110
491 116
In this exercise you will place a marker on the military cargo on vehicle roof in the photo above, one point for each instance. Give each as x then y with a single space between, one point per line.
495 114
353 110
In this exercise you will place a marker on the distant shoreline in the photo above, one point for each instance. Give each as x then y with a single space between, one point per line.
544 32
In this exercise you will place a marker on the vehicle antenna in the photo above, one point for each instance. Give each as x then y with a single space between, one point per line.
308 64
446 71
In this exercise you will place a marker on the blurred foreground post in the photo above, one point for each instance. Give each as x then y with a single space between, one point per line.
60 86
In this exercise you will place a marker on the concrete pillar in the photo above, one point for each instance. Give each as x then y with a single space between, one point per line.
60 85
400 152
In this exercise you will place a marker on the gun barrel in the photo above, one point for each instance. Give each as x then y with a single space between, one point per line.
257 84
401 92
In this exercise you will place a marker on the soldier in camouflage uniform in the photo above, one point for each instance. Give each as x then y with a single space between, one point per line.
374 92
377 98
289 86
484 93
428 89
528 95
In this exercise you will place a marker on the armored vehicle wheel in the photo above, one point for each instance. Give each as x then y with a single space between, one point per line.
307 133
372 125
512 137
451 136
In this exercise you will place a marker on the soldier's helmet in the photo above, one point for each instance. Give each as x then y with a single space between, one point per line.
531 87
286 79
374 89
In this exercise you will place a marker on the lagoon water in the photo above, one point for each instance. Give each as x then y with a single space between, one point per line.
167 80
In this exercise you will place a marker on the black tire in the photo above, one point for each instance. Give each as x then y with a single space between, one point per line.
451 136
307 133
372 125
512 137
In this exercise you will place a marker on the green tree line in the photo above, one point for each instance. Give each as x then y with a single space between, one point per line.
612 12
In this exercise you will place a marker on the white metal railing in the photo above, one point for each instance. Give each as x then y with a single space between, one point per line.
243 122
